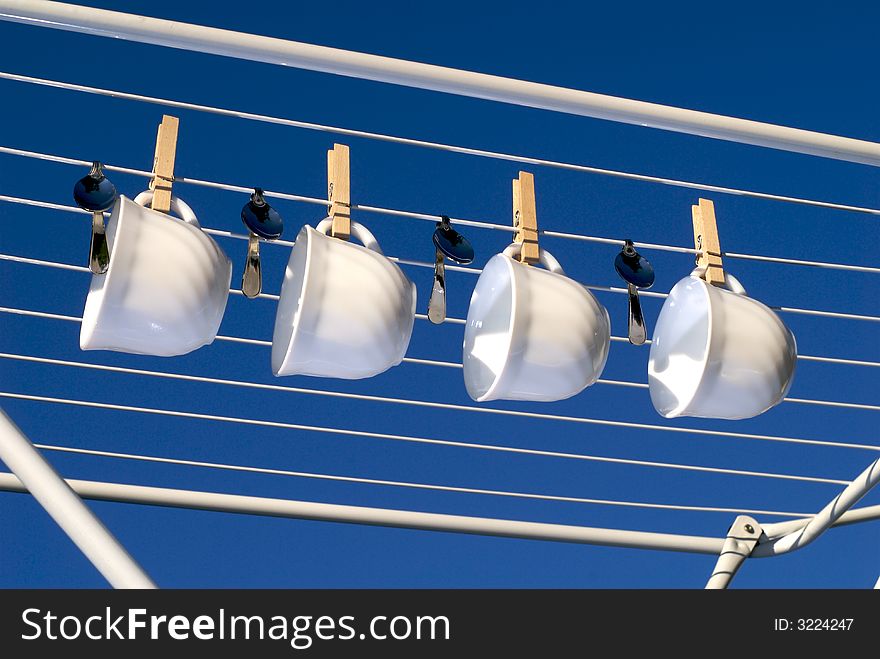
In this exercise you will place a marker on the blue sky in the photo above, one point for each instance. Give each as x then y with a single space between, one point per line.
803 70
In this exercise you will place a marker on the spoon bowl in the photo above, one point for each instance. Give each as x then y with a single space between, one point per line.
634 268
94 192
452 244
260 218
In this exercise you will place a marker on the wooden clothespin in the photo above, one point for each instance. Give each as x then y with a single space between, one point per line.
525 217
163 164
706 239
339 191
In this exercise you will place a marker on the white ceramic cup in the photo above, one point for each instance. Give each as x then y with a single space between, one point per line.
165 290
532 334
717 353
345 311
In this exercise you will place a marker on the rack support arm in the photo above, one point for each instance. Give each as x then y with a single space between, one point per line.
742 538
825 518
257 48
68 510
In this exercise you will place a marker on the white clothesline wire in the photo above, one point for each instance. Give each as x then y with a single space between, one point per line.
444 364
421 440
451 320
838 360
219 337
233 291
433 218
396 401
420 486
588 458
622 339
461 321
496 155
557 454
606 289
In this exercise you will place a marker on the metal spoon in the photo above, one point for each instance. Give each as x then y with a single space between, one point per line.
262 221
638 273
96 193
448 243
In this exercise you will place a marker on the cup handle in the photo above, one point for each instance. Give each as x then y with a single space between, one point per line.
731 283
545 258
178 206
358 230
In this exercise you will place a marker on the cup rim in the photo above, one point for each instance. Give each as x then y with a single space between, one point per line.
511 328
682 407
304 233
94 307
